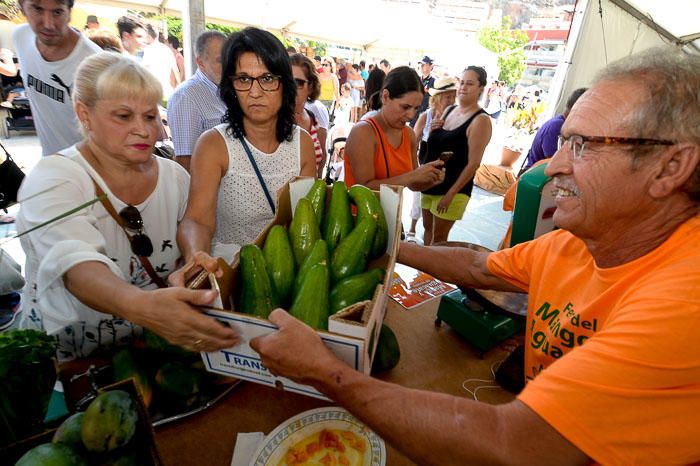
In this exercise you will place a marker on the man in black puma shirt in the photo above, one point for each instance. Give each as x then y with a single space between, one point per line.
49 51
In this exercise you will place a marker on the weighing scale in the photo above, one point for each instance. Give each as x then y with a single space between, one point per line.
486 317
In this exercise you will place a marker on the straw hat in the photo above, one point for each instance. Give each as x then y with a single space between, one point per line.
443 85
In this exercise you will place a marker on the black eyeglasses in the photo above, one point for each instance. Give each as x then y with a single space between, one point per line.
577 143
268 82
300 82
141 244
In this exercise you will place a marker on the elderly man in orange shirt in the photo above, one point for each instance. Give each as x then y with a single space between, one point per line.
612 364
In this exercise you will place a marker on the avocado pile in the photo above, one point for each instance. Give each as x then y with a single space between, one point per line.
102 435
318 265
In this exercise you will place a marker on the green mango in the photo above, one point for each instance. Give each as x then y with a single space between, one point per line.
51 454
69 431
109 422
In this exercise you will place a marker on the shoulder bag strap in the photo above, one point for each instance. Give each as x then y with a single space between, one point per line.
377 130
112 211
257 172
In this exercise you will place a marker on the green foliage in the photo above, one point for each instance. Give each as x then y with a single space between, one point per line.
28 373
175 27
508 44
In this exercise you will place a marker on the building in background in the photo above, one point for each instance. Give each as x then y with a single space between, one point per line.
548 33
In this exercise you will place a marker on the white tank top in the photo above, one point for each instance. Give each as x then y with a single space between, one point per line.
242 209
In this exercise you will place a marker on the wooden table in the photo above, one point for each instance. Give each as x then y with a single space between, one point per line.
432 358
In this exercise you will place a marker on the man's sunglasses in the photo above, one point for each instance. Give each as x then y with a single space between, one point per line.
141 244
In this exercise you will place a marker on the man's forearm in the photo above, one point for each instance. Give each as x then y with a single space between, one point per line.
430 428
445 263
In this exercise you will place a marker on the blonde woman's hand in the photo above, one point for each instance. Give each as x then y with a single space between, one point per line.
175 314
436 123
200 261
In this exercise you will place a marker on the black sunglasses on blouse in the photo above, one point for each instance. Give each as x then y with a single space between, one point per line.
141 244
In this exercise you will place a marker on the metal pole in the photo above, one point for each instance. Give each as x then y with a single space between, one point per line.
193 24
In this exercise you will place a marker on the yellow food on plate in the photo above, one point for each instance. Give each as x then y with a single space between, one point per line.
327 448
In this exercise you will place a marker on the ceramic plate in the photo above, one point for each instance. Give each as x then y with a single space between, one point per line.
294 430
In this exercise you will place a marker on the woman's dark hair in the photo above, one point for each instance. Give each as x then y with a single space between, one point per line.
402 80
373 86
303 62
480 73
274 56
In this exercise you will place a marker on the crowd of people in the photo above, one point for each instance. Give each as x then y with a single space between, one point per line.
620 275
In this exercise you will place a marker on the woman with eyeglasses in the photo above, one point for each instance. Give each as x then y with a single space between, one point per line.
94 266
382 148
238 166
330 86
308 89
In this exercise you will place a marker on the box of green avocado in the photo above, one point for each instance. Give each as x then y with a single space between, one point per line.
328 258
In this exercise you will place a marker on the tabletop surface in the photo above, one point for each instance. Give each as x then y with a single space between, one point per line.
432 358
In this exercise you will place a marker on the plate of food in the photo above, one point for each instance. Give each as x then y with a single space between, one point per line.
319 437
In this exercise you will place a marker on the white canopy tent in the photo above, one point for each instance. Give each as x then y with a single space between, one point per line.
405 31
606 30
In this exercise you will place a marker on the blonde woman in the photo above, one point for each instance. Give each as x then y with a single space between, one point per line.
87 282
330 87
442 95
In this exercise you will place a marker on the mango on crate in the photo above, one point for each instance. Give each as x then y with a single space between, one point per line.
51 454
109 421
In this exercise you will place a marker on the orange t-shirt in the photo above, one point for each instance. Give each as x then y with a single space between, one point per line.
398 160
612 355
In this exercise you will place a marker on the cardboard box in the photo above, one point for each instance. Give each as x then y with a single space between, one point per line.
352 333
143 442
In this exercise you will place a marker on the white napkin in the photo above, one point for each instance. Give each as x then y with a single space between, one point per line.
246 445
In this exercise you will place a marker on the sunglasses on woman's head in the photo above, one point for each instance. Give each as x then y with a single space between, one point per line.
141 244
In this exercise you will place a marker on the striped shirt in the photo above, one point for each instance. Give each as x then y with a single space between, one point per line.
318 152
193 108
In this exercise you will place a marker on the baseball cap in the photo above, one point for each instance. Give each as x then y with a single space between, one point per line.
426 60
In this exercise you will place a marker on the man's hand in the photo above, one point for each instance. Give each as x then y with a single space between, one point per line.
294 351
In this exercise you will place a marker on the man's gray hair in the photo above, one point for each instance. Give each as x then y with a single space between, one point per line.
671 107
200 47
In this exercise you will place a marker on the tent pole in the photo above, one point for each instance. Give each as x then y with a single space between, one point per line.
193 24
